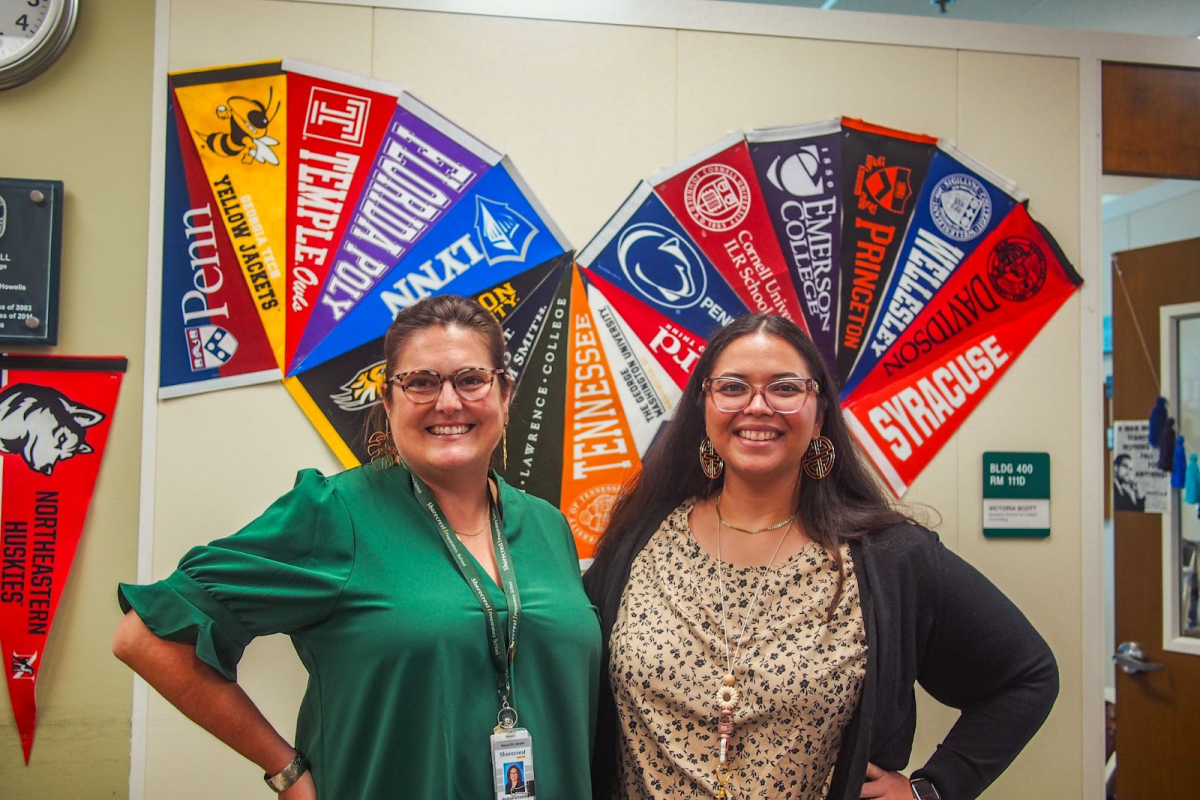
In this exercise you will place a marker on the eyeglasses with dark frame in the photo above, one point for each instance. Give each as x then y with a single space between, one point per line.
424 385
783 396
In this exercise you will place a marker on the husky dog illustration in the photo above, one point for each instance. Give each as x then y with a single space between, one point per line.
43 425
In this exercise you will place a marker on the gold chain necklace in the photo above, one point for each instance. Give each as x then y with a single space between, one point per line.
731 527
462 535
729 696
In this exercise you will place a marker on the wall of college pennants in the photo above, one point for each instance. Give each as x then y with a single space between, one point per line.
304 207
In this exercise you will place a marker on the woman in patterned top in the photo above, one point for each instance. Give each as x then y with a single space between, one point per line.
767 611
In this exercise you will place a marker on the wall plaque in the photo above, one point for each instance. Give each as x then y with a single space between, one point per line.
30 257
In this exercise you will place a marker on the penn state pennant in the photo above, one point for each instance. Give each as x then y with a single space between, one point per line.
55 415
645 252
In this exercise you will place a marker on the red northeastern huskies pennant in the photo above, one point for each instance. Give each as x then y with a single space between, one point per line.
952 354
336 121
55 415
715 196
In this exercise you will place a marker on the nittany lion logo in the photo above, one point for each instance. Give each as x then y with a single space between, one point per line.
364 390
43 426
662 266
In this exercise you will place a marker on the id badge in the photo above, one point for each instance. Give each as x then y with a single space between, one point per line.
512 764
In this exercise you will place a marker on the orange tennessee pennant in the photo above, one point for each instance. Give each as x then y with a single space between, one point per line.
598 445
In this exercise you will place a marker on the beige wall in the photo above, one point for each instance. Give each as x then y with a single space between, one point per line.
585 111
87 123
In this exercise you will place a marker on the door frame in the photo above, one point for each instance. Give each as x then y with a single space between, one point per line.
1172 641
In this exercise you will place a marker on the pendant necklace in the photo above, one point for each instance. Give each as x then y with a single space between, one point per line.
729 696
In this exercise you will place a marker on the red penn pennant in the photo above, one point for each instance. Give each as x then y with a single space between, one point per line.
55 415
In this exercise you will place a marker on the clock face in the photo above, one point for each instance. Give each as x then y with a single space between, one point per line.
32 34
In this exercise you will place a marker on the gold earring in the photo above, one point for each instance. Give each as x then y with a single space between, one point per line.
381 448
710 463
504 449
819 457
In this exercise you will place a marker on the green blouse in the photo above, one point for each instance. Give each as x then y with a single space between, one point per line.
401 695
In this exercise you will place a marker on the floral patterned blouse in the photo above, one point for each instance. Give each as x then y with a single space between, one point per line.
800 676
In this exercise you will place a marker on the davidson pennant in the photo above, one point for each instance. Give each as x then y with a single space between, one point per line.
951 355
55 415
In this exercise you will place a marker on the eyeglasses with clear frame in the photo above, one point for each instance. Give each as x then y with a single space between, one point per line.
424 385
783 396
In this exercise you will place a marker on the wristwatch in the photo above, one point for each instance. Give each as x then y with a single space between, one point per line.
922 789
287 777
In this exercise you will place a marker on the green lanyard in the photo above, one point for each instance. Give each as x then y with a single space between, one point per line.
502 656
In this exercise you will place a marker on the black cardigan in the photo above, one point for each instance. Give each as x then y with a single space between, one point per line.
930 618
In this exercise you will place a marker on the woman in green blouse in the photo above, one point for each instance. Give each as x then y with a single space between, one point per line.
407 586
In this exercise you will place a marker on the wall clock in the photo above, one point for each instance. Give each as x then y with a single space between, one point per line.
33 33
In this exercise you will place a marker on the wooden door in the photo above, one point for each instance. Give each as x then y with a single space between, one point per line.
1158 713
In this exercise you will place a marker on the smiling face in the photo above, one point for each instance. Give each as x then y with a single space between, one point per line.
448 439
757 443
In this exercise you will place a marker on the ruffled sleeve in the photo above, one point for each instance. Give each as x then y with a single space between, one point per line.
280 574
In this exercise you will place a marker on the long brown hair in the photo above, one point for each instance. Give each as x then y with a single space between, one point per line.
445 311
846 504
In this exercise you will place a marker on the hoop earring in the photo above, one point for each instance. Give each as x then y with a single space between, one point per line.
819 458
381 448
710 463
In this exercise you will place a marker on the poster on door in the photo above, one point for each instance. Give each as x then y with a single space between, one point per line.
1137 482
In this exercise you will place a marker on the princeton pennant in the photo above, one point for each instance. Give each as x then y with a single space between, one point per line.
55 415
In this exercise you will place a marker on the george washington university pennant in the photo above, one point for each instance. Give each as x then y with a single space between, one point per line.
55 415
